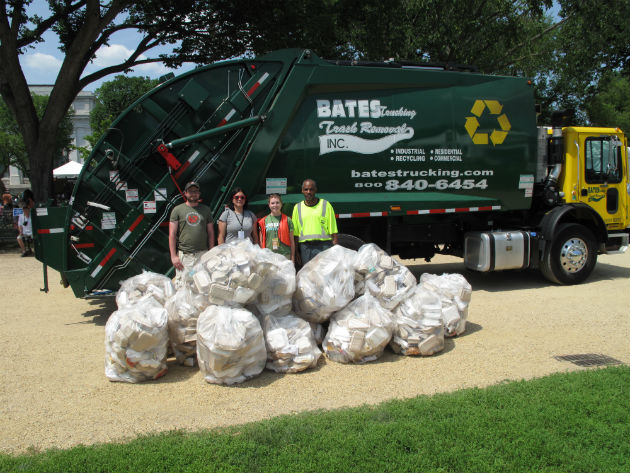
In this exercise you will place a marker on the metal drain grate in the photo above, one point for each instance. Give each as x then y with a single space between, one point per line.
589 359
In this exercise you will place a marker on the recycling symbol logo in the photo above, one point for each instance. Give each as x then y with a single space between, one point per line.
498 135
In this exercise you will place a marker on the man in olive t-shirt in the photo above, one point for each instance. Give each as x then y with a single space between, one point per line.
190 231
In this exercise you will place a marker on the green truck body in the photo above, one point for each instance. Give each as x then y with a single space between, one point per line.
414 159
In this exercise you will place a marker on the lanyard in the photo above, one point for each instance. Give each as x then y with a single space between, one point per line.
241 220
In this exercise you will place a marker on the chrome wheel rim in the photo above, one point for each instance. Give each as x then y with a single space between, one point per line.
573 255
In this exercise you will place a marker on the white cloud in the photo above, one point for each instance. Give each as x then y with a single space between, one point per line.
40 68
154 69
111 55
117 53
41 61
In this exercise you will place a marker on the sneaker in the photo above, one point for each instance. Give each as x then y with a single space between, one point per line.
24 254
29 252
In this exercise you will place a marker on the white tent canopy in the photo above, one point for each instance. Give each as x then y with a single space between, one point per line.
69 170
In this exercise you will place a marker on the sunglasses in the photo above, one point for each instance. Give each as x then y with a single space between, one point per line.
239 197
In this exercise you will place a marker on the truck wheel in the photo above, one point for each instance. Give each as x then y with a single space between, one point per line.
571 256
349 241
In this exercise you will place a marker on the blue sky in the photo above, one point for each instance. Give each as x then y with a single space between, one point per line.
41 64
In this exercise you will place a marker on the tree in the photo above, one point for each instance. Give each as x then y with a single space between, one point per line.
490 35
591 42
610 105
207 31
565 55
112 98
12 147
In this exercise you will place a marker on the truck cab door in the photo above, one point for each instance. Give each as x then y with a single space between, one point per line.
604 180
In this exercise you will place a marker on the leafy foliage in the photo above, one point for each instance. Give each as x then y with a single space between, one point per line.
112 98
610 105
591 41
472 32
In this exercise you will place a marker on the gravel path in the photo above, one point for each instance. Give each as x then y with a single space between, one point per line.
54 392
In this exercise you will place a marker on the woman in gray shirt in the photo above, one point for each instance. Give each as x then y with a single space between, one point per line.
236 222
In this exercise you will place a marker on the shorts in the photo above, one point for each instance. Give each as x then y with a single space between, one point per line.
188 260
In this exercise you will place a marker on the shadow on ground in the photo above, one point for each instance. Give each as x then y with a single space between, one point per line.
101 309
514 280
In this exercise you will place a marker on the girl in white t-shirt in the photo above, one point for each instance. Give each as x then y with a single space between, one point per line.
25 229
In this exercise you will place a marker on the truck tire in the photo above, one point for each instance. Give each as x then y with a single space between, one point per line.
349 241
571 256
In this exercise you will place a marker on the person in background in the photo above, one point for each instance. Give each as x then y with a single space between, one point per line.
7 200
25 228
190 231
315 225
276 230
236 222
28 198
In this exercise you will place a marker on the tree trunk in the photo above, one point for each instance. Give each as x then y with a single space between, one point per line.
40 158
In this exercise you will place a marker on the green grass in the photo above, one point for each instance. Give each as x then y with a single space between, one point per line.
576 422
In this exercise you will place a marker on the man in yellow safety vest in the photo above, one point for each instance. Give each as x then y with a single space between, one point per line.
314 223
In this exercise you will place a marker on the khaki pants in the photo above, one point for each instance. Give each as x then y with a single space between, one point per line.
188 260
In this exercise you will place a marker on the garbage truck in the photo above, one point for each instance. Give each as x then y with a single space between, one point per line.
419 160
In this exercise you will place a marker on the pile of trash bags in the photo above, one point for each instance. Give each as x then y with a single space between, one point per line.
242 309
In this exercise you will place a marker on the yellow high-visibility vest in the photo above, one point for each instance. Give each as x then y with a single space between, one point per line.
314 223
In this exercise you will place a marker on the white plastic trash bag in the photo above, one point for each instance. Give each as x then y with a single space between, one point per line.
359 332
275 292
183 310
325 284
291 346
227 274
455 293
136 342
383 277
418 328
230 345
132 289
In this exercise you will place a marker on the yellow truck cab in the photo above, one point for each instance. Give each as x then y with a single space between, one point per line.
596 173
588 194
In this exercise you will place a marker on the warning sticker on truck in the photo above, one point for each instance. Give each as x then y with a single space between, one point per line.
526 182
